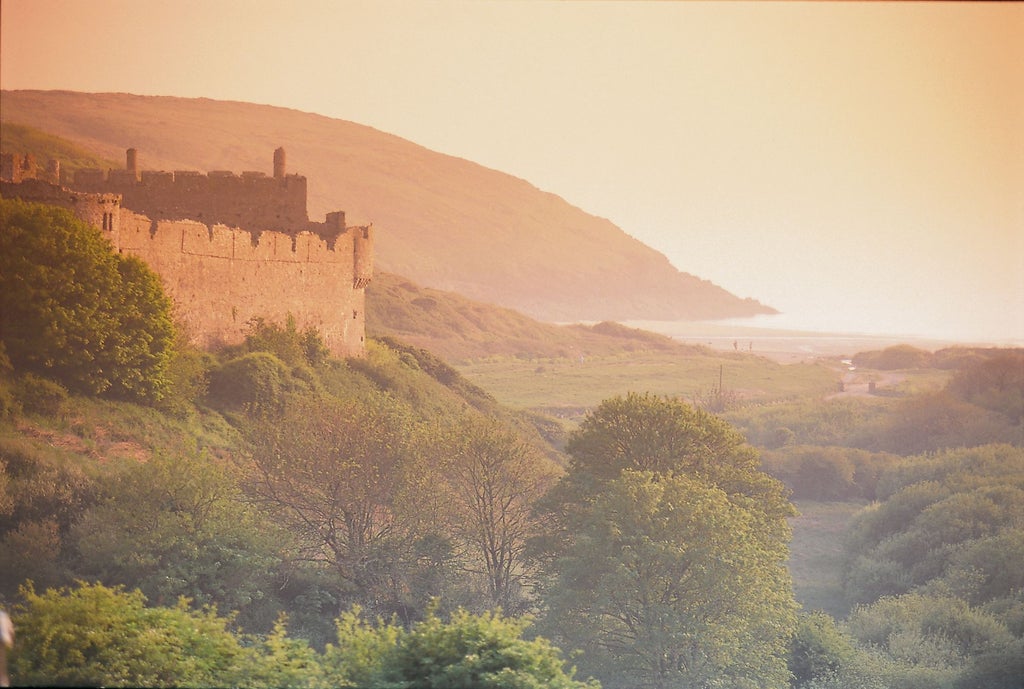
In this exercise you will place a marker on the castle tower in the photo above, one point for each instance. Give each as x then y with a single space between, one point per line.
132 161
362 256
52 171
279 163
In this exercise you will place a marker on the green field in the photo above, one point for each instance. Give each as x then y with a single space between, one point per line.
569 386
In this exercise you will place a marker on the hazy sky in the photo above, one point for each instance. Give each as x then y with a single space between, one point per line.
857 166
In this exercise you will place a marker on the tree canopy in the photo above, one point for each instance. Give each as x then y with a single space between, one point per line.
92 635
73 310
666 561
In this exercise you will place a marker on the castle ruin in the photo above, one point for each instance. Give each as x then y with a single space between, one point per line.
229 248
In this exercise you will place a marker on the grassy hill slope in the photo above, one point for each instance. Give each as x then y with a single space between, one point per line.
458 329
442 221
19 138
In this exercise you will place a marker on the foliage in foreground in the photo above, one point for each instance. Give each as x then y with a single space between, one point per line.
91 635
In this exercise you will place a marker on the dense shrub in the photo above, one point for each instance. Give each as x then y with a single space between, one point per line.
255 382
995 383
828 473
291 346
188 376
818 649
932 422
39 500
92 635
484 652
953 521
893 358
97 636
178 526
934 641
8 404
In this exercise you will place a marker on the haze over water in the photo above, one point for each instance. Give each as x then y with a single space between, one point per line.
859 167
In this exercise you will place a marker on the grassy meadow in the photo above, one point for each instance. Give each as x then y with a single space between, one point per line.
566 387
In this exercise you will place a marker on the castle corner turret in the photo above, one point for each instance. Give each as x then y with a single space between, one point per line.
279 163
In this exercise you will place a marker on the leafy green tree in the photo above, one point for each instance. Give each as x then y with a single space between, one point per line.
97 636
650 433
662 435
476 652
818 649
668 583
666 550
178 526
73 310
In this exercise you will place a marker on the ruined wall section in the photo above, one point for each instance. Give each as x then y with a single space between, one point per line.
251 201
16 168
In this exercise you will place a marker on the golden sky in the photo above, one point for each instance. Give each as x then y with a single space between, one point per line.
858 166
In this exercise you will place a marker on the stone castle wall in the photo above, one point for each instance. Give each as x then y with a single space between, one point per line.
220 276
251 201
227 276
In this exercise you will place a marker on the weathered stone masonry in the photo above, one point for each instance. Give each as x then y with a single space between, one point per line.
228 248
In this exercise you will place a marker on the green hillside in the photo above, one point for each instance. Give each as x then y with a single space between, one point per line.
18 138
460 329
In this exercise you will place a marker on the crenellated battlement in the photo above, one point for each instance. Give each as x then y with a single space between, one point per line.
224 251
251 200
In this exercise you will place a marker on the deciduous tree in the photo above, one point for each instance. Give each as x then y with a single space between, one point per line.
666 560
178 526
495 477
667 583
342 476
73 310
